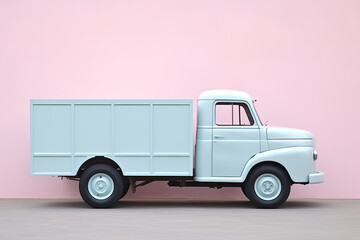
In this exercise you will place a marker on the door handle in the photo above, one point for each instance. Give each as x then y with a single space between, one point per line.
218 136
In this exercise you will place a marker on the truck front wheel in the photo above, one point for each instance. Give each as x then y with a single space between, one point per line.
101 186
267 186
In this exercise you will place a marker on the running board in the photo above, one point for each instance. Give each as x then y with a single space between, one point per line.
185 183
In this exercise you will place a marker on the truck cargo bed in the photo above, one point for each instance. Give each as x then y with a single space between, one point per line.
143 137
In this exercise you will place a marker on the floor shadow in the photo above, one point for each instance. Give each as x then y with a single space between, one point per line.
76 203
154 203
294 204
183 203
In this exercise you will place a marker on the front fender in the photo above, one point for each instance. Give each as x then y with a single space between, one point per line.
298 161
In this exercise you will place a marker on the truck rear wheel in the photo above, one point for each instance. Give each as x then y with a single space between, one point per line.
126 188
101 186
267 186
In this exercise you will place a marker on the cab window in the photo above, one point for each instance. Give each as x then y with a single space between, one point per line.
233 114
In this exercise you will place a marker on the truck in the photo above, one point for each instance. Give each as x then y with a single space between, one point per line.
110 146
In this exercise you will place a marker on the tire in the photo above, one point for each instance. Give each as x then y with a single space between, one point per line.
126 189
101 186
267 186
243 190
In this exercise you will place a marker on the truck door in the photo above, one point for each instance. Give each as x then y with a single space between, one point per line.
236 138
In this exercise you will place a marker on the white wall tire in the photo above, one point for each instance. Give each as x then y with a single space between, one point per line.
267 186
101 186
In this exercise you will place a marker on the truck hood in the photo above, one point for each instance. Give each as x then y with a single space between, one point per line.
280 133
288 137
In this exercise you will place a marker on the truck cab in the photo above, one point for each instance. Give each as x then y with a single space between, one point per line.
233 146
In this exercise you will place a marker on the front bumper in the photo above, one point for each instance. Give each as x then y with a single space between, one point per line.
316 177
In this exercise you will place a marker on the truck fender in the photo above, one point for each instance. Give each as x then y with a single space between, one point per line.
296 160
92 160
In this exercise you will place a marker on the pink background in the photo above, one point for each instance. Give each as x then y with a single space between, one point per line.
299 59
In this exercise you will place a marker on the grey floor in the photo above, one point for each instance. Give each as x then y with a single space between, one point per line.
179 219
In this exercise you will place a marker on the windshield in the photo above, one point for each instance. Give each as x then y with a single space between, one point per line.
254 101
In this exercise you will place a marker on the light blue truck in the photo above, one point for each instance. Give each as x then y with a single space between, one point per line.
112 145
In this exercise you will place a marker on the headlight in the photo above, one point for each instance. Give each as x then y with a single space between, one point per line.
315 155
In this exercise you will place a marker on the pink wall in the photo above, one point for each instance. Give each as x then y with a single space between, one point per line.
300 59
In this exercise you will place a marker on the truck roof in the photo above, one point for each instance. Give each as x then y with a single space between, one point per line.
224 95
